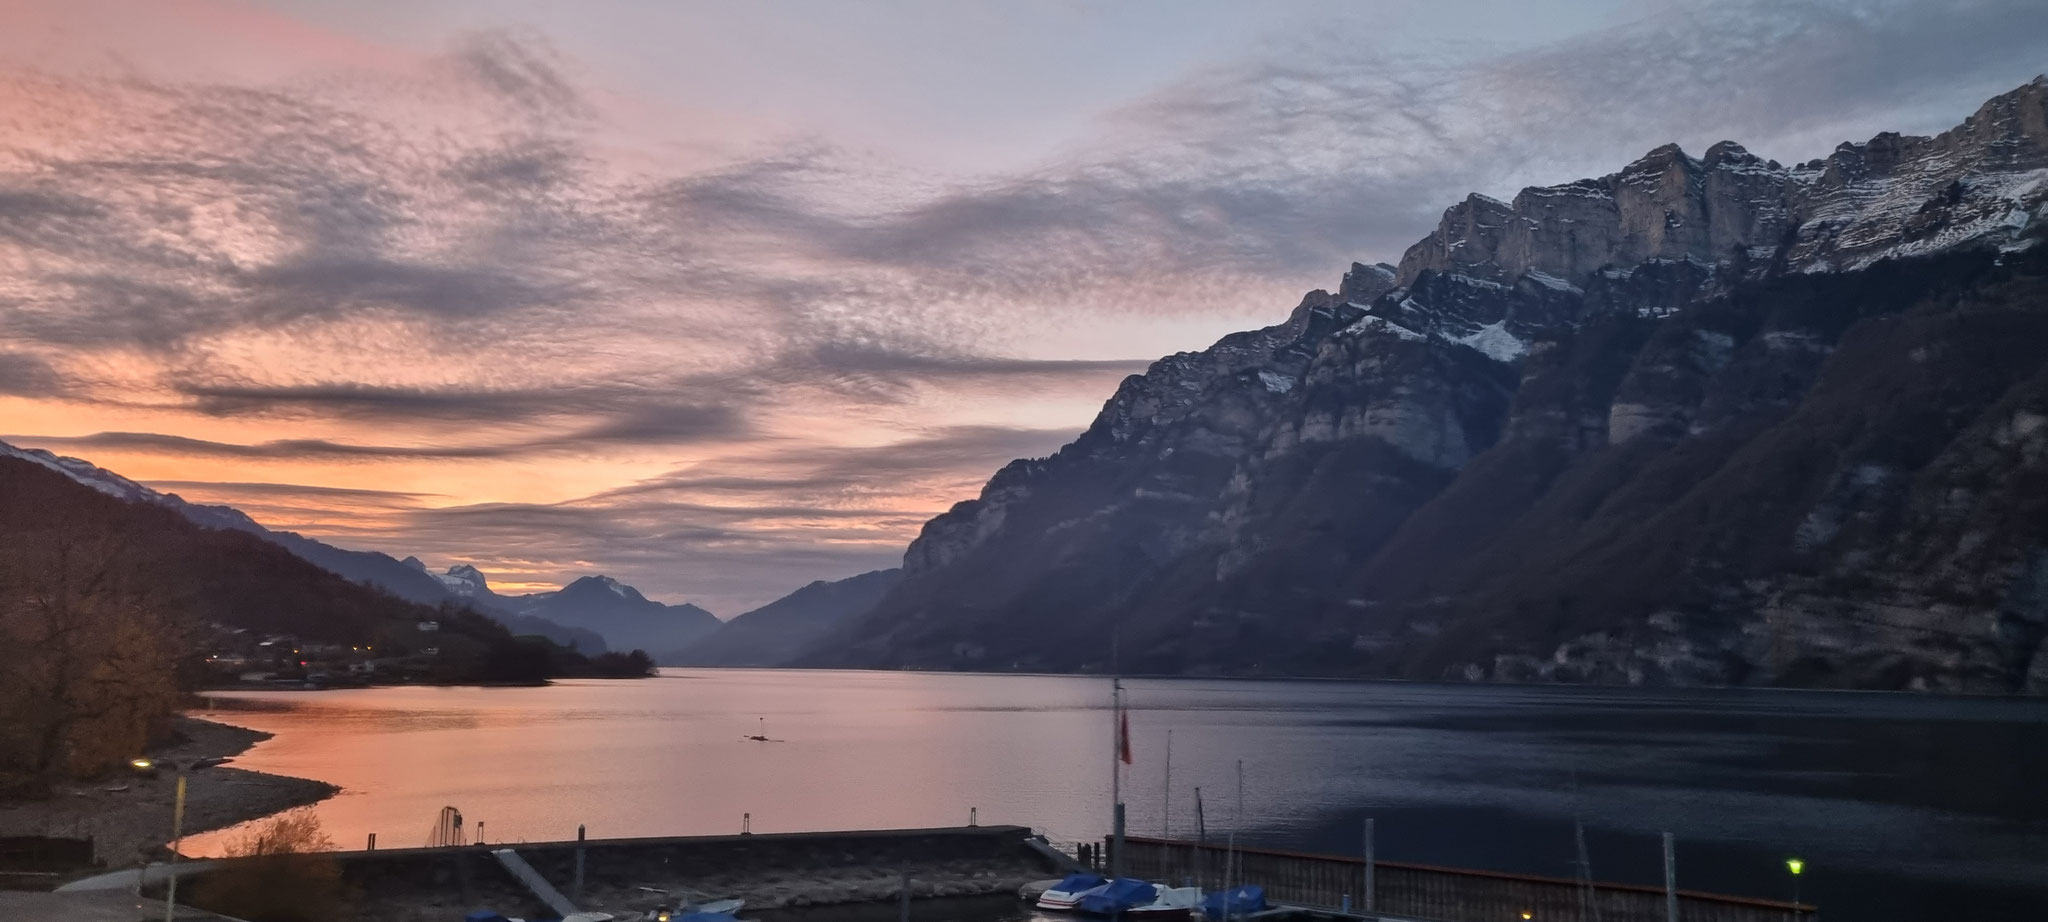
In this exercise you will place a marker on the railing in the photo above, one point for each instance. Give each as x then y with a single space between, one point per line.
1419 891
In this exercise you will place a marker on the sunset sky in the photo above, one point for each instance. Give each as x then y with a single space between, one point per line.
719 299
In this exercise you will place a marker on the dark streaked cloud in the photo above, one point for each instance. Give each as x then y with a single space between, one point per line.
523 69
654 426
296 490
959 455
463 269
279 449
28 375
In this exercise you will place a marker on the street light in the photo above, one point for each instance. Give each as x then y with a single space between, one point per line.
1797 867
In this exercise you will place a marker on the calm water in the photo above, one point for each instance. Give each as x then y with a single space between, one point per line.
1903 807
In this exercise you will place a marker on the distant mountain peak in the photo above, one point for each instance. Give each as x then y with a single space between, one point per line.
465 581
608 584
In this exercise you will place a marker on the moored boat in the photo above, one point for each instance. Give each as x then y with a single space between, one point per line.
1067 894
1130 898
1234 903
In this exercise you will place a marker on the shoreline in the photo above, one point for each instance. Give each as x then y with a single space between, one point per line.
128 816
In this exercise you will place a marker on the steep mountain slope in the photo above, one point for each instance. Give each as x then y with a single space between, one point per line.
210 575
779 631
626 619
358 566
406 579
1700 420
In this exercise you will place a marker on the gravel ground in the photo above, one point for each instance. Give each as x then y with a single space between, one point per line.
129 816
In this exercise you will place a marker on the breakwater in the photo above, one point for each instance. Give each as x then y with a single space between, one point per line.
631 876
1427 892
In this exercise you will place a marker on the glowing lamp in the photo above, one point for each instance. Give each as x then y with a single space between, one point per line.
143 764
1795 865
1526 914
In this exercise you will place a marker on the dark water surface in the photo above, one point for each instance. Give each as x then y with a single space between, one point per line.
1904 807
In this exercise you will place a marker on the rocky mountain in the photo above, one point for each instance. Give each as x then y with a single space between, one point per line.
626 619
407 579
779 631
1702 420
464 584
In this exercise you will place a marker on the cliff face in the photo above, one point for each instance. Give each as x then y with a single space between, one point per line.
782 629
1700 420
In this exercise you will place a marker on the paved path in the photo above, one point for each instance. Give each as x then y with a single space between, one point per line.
98 906
125 881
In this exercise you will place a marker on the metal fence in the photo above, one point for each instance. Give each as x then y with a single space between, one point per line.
1418 891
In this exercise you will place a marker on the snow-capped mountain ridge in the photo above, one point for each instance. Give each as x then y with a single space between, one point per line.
1223 504
119 487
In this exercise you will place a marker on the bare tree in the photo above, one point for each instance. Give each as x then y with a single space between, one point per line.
95 643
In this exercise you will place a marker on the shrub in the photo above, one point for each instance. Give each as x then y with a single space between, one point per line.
282 874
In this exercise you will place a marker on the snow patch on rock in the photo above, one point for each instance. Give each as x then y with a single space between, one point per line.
1496 342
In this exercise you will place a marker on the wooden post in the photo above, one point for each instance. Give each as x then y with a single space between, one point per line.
1585 871
373 843
904 916
177 840
579 860
1370 902
1670 879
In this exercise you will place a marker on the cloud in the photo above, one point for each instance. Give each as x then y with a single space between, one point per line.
294 490
662 426
521 68
280 449
28 375
330 285
952 455
417 259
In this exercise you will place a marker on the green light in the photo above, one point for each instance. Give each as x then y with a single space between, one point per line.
1795 866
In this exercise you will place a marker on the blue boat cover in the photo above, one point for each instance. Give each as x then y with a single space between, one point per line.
483 915
706 917
1123 893
1079 881
1234 902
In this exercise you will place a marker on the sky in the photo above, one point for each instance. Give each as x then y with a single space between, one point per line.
720 299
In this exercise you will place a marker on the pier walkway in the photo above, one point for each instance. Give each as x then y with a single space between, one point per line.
1336 886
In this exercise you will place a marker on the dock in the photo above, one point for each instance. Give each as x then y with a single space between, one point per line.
631 877
1350 887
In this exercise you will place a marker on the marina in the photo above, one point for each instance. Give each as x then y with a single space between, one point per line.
1489 779
641 878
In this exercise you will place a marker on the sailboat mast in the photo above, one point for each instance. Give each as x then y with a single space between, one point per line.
1166 793
1233 865
1116 777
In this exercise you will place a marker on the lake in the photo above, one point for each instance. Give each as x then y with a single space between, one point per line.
1903 807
